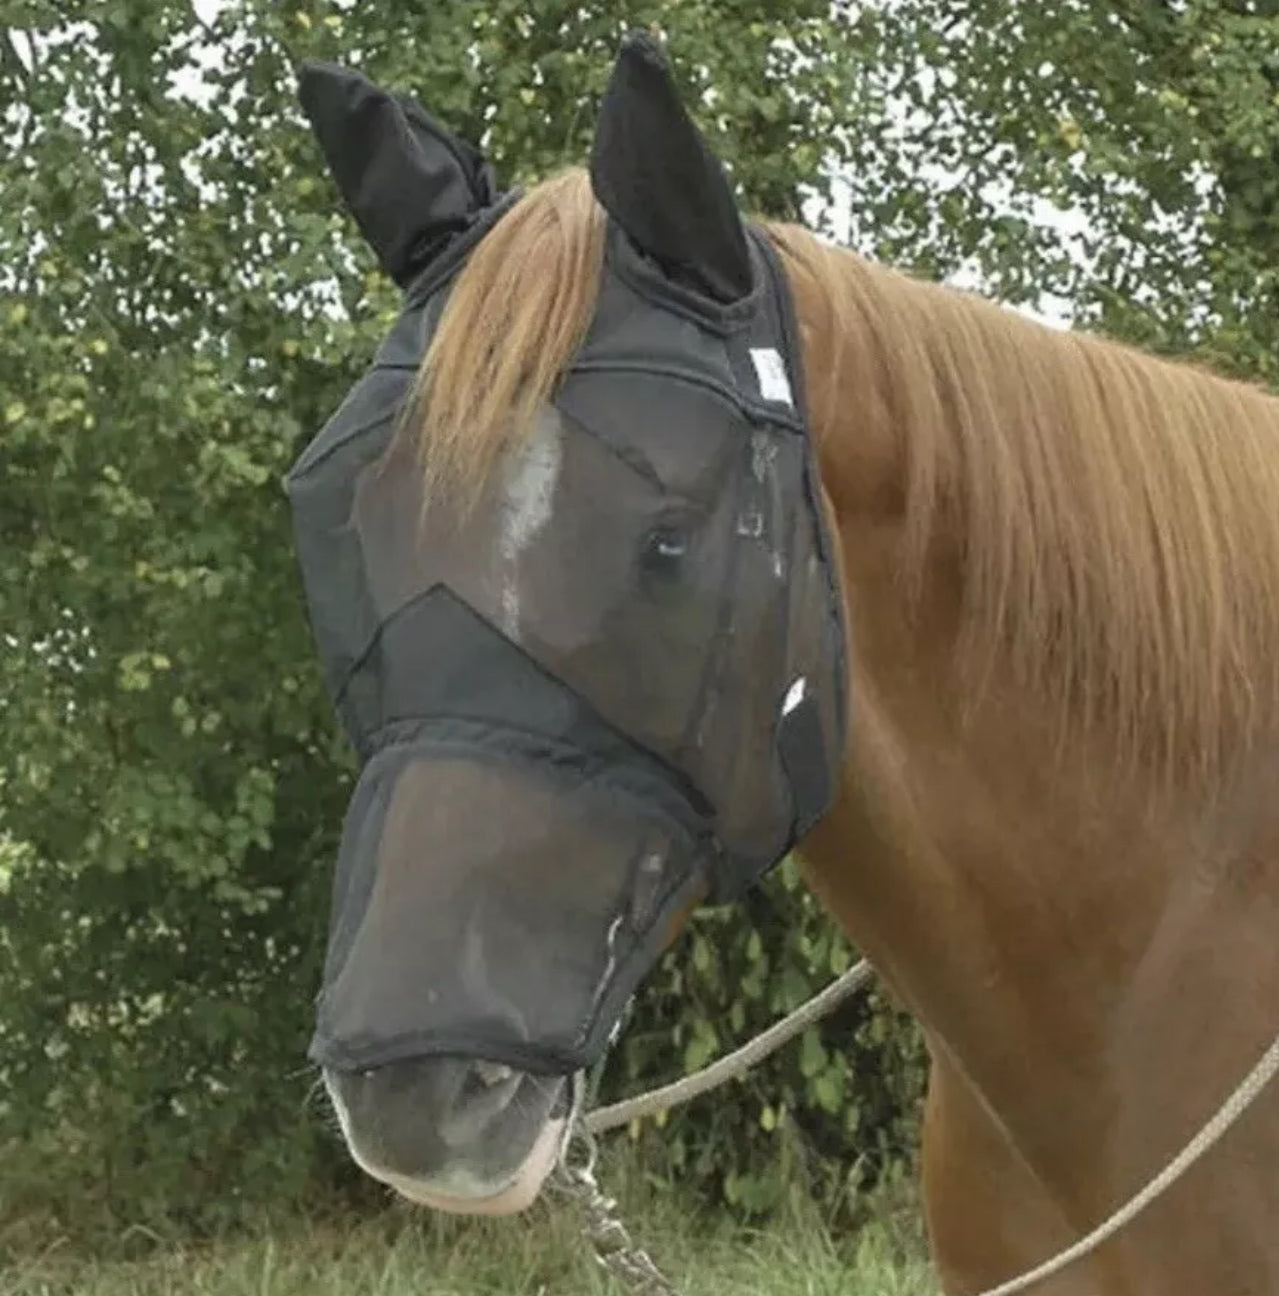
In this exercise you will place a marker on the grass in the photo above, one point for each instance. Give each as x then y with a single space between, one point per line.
403 1252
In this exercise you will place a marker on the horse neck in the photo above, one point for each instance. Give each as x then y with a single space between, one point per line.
1007 887
968 852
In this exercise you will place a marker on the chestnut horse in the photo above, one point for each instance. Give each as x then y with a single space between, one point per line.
1058 833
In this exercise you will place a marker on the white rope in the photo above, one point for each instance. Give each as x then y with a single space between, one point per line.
732 1065
1229 1112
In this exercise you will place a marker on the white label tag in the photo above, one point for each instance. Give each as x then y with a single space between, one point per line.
794 695
771 372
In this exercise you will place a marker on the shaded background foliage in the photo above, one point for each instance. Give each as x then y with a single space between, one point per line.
183 303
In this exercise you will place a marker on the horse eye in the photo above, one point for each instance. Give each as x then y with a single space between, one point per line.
664 550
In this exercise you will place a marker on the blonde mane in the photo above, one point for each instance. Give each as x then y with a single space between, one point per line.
1116 516
517 314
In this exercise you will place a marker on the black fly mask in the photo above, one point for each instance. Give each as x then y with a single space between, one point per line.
615 687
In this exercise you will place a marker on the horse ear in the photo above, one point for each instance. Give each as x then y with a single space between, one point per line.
656 176
411 184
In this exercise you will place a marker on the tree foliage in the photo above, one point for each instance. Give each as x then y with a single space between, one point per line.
184 302
1116 163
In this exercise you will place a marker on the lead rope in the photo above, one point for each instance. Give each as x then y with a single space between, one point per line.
1227 1114
617 1253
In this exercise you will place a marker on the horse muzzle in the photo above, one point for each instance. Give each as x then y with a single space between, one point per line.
454 1134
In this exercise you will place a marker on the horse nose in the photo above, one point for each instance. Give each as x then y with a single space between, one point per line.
416 1117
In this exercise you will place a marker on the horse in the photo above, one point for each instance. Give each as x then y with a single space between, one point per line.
1055 827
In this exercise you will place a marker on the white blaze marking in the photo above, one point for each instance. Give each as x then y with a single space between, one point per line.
531 475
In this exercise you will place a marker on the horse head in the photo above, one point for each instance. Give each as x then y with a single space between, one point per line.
567 566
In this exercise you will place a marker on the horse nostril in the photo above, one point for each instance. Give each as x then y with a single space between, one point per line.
491 1073
484 1094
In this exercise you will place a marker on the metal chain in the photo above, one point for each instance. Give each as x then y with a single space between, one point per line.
614 1250
611 1243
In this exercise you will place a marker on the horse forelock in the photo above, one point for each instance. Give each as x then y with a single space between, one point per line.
1113 517
516 315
